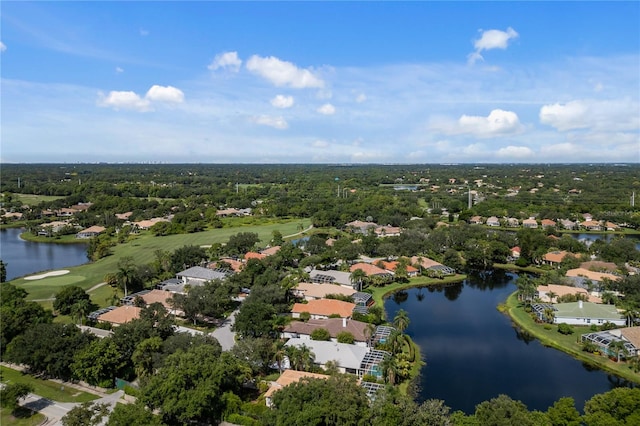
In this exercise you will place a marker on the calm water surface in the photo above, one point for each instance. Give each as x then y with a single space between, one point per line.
473 352
24 257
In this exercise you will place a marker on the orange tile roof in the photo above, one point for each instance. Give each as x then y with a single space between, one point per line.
159 296
289 377
325 307
254 255
391 266
121 314
425 262
593 276
368 269
557 256
270 251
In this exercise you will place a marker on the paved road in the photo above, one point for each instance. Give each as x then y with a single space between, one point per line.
225 336
55 411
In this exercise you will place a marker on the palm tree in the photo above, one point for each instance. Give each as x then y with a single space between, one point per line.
631 314
81 309
369 331
279 353
357 277
401 320
551 295
126 274
389 367
618 348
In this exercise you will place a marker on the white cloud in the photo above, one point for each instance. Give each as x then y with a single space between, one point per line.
167 94
119 70
124 100
320 144
3 47
604 115
275 122
491 39
361 98
499 122
327 109
228 60
131 100
283 73
281 101
515 152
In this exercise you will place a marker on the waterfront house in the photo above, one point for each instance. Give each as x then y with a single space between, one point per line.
311 291
90 232
324 308
335 326
586 313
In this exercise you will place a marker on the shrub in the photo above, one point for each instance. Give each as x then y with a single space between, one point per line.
320 334
239 419
345 337
565 328
305 316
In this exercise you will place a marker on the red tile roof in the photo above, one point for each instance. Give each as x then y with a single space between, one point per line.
121 315
368 269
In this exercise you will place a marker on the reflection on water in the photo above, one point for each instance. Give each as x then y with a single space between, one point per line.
474 353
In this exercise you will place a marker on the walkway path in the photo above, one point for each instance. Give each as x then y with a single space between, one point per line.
299 233
55 411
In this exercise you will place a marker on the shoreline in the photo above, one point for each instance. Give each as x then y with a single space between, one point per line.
510 306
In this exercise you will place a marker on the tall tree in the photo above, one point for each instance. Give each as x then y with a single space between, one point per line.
67 297
401 320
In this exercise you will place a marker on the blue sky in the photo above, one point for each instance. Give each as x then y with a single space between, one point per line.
320 82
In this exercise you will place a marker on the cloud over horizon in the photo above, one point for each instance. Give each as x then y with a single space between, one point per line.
283 73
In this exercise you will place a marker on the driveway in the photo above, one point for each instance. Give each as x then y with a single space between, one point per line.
225 336
55 411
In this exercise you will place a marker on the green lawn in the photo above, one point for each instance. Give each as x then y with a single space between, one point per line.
142 248
566 343
20 417
46 388
31 199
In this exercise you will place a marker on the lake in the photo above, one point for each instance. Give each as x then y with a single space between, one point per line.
25 258
473 352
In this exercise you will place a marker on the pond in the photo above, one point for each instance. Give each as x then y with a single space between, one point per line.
24 257
473 352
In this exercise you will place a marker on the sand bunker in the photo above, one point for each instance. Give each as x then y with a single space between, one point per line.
47 274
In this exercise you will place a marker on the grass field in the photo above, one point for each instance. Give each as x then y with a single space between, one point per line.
20 417
142 248
46 388
31 199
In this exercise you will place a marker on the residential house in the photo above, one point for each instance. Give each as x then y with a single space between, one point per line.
610 226
331 277
253 255
234 264
51 228
197 275
568 224
270 251
515 252
12 215
335 326
392 266
429 264
91 232
476 220
120 315
360 227
593 276
629 336
351 359
512 222
372 270
599 266
123 216
530 223
591 225
554 258
287 378
387 231
66 212
548 223
323 308
311 291
493 221
586 313
556 291
146 224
